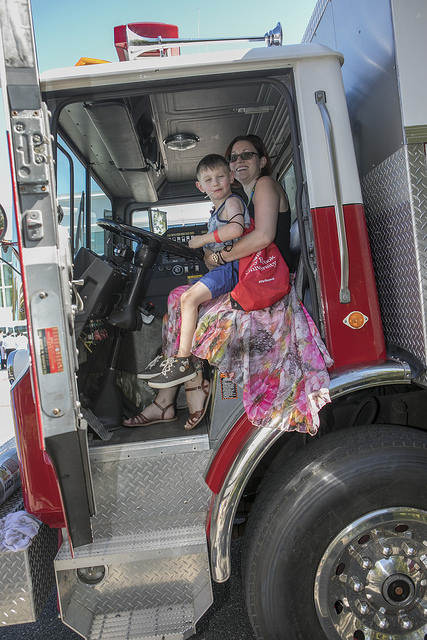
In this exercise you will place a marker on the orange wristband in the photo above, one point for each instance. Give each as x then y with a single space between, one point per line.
216 236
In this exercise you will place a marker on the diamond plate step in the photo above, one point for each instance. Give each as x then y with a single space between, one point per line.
156 584
149 546
163 537
145 625
132 491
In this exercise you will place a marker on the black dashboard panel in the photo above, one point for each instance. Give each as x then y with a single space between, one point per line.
104 283
106 280
171 271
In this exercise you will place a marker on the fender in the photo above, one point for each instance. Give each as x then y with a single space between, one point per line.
38 479
228 477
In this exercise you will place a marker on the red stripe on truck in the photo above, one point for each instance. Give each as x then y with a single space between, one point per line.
346 345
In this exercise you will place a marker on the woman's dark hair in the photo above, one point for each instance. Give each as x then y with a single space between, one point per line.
260 148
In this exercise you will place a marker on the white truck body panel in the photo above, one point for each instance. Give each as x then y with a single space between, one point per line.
384 76
409 21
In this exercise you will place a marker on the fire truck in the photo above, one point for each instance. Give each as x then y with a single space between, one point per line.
103 157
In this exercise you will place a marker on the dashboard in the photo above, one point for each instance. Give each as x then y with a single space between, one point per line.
171 271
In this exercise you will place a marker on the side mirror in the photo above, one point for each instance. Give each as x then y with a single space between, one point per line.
3 223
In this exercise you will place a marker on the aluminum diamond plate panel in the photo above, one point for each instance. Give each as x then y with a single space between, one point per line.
137 585
27 578
145 625
162 538
135 491
14 503
314 20
150 537
157 597
395 196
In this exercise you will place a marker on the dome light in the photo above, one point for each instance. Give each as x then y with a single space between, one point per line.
181 141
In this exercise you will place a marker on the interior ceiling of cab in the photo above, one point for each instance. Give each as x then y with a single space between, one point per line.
123 138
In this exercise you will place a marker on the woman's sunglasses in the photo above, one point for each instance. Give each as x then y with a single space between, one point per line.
246 155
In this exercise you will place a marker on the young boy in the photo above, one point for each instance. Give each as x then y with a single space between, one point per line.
229 219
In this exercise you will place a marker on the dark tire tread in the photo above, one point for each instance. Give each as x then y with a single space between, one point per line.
376 452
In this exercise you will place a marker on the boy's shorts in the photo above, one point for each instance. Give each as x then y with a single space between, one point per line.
222 279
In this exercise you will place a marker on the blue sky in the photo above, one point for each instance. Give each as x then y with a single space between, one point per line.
66 31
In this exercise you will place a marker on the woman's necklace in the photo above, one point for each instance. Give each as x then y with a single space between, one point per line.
252 193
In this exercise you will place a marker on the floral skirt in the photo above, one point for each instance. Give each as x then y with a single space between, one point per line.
276 355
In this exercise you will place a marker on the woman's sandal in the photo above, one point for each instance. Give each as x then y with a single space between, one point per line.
142 421
196 417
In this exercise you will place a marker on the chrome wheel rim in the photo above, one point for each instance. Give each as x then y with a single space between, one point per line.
371 581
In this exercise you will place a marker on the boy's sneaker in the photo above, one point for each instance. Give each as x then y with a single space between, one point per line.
153 368
174 371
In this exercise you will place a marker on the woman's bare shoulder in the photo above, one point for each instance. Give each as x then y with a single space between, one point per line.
265 182
268 184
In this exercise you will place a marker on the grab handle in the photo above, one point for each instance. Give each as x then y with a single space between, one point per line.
345 296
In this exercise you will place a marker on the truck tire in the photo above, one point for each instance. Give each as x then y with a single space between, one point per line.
336 545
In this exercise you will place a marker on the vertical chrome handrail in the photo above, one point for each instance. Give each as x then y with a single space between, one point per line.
345 295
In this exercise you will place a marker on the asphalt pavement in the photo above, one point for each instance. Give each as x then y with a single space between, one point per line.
225 620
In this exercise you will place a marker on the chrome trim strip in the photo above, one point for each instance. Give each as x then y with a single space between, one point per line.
226 501
147 449
349 380
345 296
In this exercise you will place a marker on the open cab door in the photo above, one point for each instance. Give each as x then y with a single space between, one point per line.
46 269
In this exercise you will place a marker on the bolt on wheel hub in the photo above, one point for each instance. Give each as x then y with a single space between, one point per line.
372 578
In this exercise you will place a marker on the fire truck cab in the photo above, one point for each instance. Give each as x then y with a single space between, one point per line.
103 161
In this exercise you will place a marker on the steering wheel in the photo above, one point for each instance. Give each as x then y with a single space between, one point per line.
147 237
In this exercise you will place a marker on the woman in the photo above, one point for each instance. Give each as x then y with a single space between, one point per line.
275 354
249 160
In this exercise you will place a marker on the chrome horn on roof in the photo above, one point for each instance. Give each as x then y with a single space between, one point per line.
138 45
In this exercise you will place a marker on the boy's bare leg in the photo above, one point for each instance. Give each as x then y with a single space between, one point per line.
190 302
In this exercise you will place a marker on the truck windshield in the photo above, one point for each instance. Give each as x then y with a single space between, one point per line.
158 220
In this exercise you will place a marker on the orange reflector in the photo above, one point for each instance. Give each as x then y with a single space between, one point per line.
85 61
356 320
